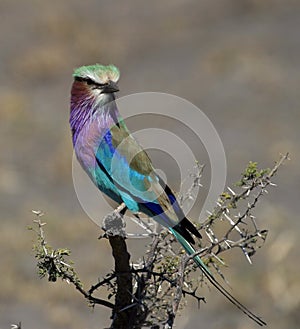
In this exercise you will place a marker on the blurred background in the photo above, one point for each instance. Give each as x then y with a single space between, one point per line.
237 60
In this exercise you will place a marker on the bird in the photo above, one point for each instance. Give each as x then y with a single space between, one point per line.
119 166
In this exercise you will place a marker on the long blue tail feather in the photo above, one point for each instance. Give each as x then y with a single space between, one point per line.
190 251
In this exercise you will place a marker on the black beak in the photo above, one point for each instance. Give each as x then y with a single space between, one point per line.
111 87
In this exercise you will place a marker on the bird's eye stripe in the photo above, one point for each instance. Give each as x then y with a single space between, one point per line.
89 81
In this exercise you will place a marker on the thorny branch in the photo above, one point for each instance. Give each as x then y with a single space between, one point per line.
253 185
51 262
161 280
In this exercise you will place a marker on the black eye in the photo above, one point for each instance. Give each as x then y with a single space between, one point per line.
89 81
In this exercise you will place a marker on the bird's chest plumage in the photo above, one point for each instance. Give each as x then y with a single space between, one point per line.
119 166
94 151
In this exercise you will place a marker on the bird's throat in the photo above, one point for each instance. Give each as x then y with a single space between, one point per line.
88 104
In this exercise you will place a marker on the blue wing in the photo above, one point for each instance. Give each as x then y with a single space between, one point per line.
130 171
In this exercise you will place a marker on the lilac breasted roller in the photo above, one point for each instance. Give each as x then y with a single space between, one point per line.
118 165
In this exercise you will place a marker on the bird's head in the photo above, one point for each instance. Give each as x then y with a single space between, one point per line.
93 92
100 77
96 81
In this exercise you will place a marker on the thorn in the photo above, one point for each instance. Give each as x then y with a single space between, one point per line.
227 243
273 184
230 190
210 238
39 213
16 326
219 259
229 219
249 259
39 222
246 255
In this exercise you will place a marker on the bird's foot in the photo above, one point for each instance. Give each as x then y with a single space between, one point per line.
113 223
121 208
